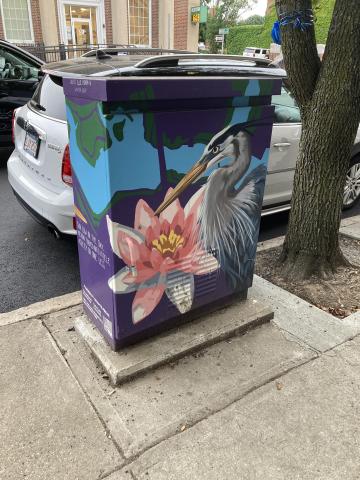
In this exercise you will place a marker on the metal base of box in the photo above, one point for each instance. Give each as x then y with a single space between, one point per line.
173 344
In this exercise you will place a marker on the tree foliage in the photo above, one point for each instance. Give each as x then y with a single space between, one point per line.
252 20
227 13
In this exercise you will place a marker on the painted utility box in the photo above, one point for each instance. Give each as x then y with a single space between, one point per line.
168 176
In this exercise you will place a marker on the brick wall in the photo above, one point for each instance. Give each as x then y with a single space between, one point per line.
155 23
181 17
2 34
36 21
108 21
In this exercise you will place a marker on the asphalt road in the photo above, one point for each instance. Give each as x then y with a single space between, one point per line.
34 266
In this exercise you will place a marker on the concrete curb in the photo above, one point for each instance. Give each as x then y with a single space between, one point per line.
268 244
350 227
41 308
315 328
174 344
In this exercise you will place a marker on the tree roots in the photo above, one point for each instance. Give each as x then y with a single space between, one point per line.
297 266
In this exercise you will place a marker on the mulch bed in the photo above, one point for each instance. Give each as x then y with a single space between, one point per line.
339 295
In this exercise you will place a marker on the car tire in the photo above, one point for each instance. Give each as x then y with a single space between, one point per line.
352 186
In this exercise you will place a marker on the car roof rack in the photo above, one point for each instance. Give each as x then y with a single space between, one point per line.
173 60
133 50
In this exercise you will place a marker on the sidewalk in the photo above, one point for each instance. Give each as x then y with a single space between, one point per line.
279 402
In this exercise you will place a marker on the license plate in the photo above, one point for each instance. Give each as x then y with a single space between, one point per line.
31 144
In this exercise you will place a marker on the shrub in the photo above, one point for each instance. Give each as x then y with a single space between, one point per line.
244 36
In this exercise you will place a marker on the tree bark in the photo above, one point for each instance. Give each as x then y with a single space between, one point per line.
328 95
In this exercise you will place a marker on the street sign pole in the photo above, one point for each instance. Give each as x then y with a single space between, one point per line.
223 32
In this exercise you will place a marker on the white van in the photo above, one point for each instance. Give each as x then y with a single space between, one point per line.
256 52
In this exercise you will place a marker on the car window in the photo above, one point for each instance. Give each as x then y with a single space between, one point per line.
49 99
16 67
286 110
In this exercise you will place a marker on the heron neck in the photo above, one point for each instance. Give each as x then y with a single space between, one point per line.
239 166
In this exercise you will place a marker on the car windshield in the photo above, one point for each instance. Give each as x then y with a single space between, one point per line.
49 99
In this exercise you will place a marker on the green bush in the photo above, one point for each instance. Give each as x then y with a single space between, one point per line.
323 11
241 37
244 36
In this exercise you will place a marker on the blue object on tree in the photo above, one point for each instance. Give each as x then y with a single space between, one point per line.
299 19
275 33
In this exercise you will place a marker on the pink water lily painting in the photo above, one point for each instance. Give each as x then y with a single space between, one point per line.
161 255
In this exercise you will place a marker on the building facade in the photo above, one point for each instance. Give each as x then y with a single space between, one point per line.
155 23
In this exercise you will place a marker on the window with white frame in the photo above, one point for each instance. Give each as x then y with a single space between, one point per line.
139 22
16 21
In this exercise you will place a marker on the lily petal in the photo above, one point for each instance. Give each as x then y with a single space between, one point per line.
145 218
169 213
128 248
204 263
125 281
145 301
180 290
193 206
114 229
118 284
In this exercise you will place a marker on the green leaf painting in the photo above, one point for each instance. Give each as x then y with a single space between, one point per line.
91 134
118 129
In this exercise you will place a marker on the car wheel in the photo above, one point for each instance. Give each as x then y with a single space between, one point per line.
352 185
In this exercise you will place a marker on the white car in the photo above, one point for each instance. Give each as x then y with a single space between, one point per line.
256 52
39 169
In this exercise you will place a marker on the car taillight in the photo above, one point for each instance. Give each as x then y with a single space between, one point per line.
66 173
13 126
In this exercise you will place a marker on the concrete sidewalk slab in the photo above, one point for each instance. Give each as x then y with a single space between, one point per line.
173 344
345 222
163 402
351 230
41 308
49 429
303 427
123 474
308 324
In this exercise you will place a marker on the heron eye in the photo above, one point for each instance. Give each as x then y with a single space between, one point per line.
216 149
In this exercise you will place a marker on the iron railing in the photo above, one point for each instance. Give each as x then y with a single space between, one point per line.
55 53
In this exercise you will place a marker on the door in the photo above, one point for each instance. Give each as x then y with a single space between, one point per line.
18 81
283 151
81 31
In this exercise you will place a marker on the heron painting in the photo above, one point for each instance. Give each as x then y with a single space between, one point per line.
230 212
217 228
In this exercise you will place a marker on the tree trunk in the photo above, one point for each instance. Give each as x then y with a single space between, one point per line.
329 100
311 244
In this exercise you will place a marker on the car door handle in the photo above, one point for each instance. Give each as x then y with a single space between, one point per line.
282 145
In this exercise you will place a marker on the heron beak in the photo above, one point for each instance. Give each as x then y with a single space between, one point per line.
195 172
